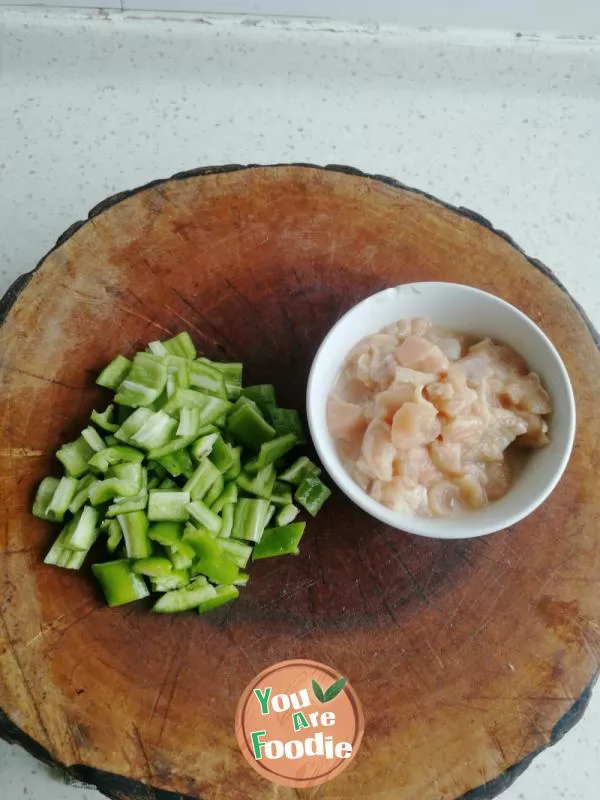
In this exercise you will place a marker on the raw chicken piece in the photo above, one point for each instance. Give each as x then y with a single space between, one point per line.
399 329
437 392
471 492
502 428
414 424
447 457
463 397
377 450
419 353
406 375
499 479
444 498
451 348
464 430
376 367
506 362
345 421
391 399
357 474
419 326
405 496
527 393
353 390
476 367
425 430
416 465
536 434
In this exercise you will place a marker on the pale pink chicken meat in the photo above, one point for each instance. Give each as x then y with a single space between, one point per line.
431 422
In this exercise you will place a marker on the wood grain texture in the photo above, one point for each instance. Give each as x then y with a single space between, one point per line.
468 656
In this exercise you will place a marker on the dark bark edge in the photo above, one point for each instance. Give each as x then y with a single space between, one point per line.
118 787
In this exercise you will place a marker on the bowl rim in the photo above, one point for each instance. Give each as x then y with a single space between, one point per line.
422 526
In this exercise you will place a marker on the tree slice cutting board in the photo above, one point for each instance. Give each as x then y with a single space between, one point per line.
468 656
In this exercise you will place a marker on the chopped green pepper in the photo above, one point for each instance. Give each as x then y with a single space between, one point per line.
270 452
104 419
115 455
281 494
144 382
93 438
279 541
113 375
184 599
263 395
84 529
65 491
202 514
249 519
82 493
260 484
135 532
229 494
169 506
286 515
311 494
224 594
119 582
153 566
202 479
287 420
43 497
248 426
75 457
205 377
300 469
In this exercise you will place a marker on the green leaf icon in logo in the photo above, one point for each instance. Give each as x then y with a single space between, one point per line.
335 689
331 693
318 692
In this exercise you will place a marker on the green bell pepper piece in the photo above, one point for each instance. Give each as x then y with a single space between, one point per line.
119 582
248 426
113 375
224 594
279 541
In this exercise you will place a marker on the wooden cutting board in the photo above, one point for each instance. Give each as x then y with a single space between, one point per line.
468 656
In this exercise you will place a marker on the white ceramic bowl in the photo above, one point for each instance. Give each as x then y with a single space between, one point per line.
467 310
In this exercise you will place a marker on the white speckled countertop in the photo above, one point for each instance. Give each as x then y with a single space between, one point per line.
92 103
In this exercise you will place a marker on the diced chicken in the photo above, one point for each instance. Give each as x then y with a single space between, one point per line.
405 496
414 424
399 329
419 326
463 397
359 476
464 430
536 434
471 492
502 428
444 498
419 353
447 457
414 376
506 362
391 399
528 394
498 479
438 391
476 367
416 464
377 450
345 421
431 422
451 348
